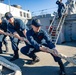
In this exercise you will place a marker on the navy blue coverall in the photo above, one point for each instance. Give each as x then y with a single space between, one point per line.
35 40
18 27
60 6
3 26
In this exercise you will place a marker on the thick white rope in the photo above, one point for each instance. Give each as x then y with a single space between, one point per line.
4 62
69 59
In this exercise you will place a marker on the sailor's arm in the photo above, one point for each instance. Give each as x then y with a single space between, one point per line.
2 32
15 34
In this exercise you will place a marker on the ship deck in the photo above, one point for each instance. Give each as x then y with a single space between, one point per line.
46 66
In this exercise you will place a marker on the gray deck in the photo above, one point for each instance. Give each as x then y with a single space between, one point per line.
46 66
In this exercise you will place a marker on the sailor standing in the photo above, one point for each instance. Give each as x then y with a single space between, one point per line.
60 7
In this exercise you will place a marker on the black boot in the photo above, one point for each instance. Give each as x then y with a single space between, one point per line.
34 60
62 73
16 56
62 69
1 51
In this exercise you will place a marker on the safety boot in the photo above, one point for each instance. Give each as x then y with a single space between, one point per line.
16 55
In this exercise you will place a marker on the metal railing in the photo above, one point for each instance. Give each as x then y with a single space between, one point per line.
60 25
52 21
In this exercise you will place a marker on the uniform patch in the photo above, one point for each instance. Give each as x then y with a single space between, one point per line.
40 37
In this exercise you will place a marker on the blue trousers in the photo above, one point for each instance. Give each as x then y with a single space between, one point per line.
30 51
15 42
59 13
5 41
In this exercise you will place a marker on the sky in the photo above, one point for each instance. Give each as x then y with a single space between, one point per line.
36 6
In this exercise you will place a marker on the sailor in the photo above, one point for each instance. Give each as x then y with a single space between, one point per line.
35 36
17 28
3 30
60 7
